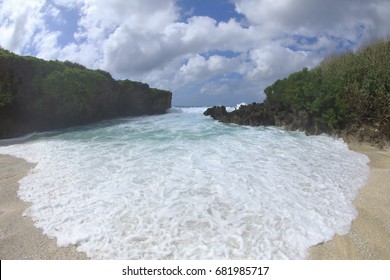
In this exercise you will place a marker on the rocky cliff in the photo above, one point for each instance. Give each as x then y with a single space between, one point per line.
347 95
264 115
38 95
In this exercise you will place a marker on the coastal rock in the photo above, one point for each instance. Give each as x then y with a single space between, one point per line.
253 114
218 113
345 95
265 115
39 95
365 134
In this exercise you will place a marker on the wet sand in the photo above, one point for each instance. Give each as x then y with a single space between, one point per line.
369 237
19 239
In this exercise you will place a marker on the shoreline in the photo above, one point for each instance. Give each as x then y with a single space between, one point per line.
368 238
19 238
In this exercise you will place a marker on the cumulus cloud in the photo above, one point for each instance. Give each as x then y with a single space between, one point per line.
198 68
19 21
274 60
195 56
348 19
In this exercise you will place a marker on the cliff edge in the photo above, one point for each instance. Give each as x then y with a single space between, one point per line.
346 95
39 95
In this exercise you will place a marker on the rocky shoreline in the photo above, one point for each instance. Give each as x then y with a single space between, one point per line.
260 114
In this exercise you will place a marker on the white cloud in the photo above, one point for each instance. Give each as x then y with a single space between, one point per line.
274 61
339 18
377 19
136 54
45 42
147 40
100 18
70 4
19 21
200 69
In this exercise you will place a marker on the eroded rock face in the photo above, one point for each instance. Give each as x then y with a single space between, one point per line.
263 115
39 95
254 115
218 113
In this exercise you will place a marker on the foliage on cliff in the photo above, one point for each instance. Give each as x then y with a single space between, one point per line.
352 89
36 95
347 95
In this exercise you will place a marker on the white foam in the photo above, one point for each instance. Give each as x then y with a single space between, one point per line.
239 105
180 186
190 110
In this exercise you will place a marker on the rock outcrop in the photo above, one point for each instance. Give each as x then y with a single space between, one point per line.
39 95
263 115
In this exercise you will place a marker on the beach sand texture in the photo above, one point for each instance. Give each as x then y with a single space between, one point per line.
369 237
19 239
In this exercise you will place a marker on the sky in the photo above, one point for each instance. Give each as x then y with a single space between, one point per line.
207 52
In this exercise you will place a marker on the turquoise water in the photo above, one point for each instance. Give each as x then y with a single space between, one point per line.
183 186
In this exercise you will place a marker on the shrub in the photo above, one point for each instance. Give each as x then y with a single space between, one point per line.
343 89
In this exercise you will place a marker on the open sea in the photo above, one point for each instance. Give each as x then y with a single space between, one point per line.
183 186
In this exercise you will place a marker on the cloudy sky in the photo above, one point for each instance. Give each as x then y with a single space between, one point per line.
207 52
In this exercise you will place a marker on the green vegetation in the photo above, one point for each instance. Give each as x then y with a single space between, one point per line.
7 80
157 91
36 94
72 89
130 86
344 90
6 87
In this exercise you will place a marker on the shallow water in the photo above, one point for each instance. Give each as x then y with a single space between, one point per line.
183 186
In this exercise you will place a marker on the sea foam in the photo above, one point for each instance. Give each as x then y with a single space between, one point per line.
182 186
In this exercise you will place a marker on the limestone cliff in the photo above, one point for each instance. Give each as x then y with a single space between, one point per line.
38 95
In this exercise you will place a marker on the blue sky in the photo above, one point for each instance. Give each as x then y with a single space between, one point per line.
220 10
208 52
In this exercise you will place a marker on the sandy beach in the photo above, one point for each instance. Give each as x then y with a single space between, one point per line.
19 239
369 237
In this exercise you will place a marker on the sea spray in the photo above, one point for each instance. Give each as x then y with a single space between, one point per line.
182 186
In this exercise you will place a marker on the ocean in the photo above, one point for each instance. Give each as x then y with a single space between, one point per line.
183 186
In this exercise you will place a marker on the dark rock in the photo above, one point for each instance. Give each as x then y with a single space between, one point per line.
218 113
266 115
254 115
39 95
